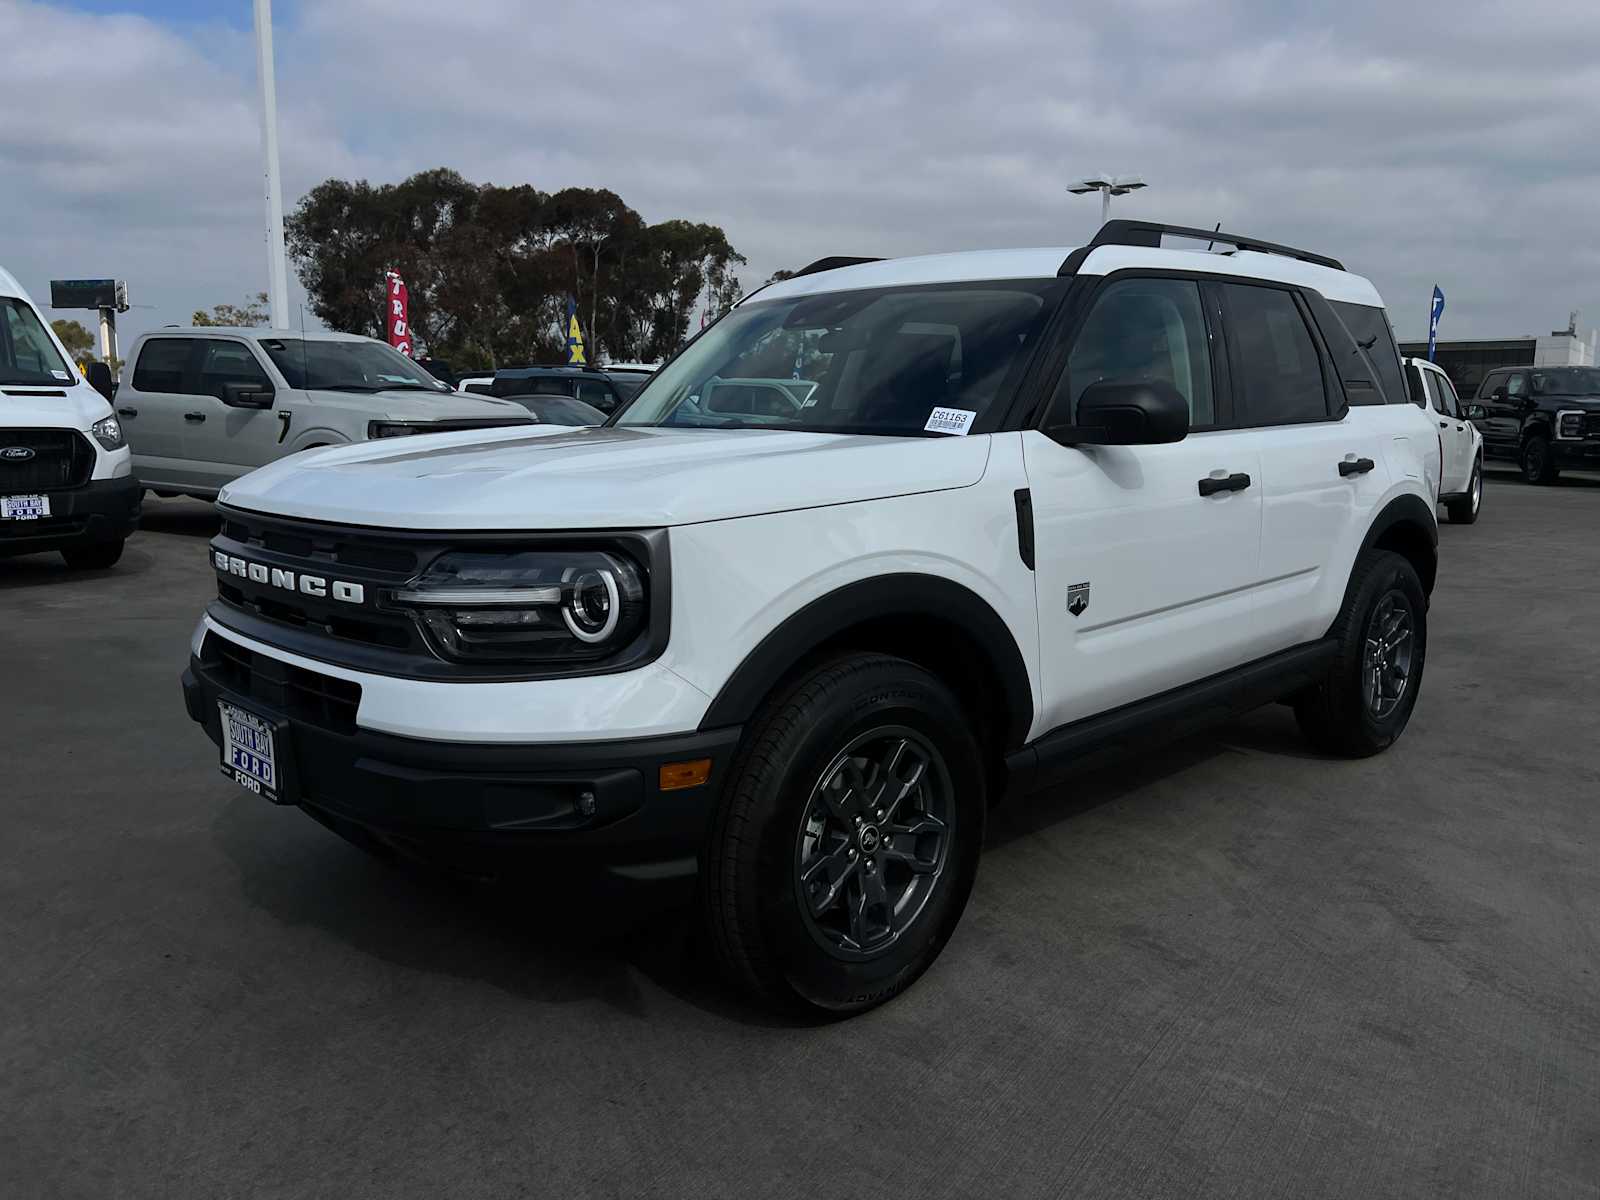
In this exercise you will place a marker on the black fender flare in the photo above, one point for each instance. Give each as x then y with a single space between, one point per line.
1407 511
909 596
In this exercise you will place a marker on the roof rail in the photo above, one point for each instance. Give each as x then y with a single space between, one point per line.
1150 233
832 263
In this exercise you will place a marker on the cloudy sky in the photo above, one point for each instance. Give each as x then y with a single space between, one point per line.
1450 143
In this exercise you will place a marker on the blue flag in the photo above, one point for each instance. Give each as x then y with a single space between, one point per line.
575 353
1436 310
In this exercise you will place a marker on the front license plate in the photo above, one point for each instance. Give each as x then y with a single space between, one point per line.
249 756
24 508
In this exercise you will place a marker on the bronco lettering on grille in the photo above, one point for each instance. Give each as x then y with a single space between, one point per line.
290 581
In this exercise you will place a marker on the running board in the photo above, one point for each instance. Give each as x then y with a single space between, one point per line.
1168 716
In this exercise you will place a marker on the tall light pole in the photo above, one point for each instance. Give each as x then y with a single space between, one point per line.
277 271
1108 187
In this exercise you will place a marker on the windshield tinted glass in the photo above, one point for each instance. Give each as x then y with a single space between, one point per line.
872 361
1568 381
27 355
344 365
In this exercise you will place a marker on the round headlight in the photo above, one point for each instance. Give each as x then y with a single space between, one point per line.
591 604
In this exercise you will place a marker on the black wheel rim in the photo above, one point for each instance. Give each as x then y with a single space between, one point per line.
1386 659
874 841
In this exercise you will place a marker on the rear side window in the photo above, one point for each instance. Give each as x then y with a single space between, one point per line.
1276 368
229 362
1370 328
161 365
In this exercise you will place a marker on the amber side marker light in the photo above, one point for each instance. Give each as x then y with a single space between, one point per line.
693 773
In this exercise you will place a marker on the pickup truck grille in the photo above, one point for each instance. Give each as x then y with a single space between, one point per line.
61 459
1592 425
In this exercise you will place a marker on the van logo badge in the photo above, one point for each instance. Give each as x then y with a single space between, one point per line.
17 453
1077 598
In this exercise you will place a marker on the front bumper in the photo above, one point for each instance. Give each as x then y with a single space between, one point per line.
482 808
102 510
1579 455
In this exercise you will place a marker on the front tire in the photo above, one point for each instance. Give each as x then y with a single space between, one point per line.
846 842
93 556
1539 460
1365 701
1465 510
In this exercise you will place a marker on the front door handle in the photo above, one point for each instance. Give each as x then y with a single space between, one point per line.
1444 424
1211 485
1356 466
194 416
285 416
127 412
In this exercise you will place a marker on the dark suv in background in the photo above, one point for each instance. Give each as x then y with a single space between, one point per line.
605 390
1542 418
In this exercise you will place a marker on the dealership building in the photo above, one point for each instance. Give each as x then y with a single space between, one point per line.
1468 362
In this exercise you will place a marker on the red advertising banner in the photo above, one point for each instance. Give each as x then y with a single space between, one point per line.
399 318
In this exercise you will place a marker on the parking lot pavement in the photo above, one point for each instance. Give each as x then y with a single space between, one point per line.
1230 968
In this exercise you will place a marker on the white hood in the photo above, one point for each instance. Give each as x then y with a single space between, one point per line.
80 408
600 477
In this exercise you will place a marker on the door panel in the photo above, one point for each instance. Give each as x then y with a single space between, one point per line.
1456 434
1502 425
151 409
1170 573
230 441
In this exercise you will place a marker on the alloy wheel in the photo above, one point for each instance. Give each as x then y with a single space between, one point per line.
874 841
1386 659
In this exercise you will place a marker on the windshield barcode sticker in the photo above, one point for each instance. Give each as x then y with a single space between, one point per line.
62 375
950 420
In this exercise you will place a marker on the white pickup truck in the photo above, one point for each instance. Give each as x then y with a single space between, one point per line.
204 406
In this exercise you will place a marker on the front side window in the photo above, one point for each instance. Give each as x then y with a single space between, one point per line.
1145 331
161 365
228 362
355 366
874 361
1276 369
1517 384
27 355
1447 395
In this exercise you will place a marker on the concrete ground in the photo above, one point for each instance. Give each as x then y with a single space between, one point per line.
1230 969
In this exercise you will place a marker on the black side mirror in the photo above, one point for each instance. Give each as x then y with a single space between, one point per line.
1126 414
1475 412
99 377
246 395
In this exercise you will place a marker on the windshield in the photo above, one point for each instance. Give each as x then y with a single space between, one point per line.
347 366
1568 381
27 355
872 361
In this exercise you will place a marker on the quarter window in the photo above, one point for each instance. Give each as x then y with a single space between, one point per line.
161 365
1145 331
1276 367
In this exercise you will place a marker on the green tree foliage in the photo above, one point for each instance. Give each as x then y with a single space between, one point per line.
78 340
489 269
252 314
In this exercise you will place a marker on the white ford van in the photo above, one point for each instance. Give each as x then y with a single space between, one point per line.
66 476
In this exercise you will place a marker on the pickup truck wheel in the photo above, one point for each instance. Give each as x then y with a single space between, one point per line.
1538 461
93 556
846 842
1465 510
1364 702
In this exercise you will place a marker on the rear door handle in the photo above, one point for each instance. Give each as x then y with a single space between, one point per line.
127 412
1356 466
194 416
1444 424
1211 485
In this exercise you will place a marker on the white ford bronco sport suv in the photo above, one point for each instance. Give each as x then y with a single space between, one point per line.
206 405
66 480
887 539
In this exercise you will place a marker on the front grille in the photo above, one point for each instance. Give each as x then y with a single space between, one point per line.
1592 425
61 459
295 692
375 561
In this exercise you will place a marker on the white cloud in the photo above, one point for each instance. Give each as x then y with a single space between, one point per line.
1421 143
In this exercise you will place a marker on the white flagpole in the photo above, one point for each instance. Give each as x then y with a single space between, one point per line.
277 270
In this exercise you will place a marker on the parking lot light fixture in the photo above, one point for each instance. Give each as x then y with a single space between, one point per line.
1108 186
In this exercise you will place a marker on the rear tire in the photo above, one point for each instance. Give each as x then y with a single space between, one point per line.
1539 461
846 841
1465 510
93 556
1365 701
